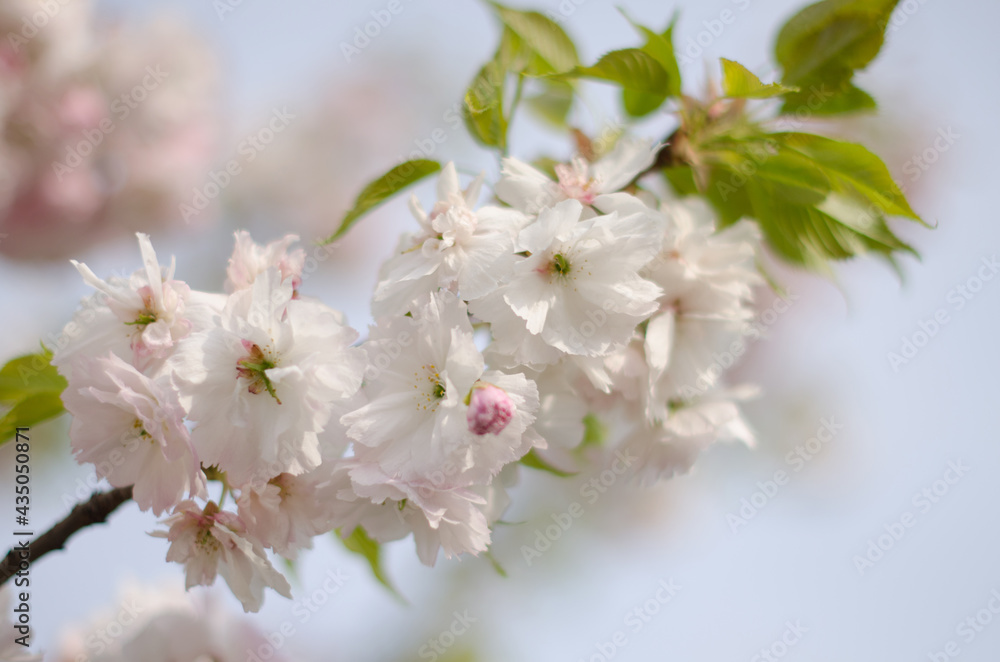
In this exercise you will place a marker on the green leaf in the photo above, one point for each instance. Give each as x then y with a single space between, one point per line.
681 179
398 178
820 100
853 170
483 110
825 43
630 68
553 50
362 545
533 460
32 387
816 199
810 237
28 375
661 48
553 103
29 411
738 81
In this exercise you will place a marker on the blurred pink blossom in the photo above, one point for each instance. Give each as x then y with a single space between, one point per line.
105 129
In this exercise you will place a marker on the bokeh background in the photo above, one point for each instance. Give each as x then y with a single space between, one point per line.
793 563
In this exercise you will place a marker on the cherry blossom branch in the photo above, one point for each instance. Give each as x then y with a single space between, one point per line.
93 511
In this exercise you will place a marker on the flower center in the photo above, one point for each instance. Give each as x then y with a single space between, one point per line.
253 367
427 396
206 542
575 182
143 319
140 432
146 316
560 264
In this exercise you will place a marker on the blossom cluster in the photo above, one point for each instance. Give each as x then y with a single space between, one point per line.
105 127
500 328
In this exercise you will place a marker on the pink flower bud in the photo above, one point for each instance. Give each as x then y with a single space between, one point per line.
490 409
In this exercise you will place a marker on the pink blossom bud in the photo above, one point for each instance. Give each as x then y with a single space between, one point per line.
490 409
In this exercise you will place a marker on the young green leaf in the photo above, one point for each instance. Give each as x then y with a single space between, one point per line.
32 387
629 68
29 375
853 169
30 411
738 81
815 198
553 49
822 100
398 178
553 103
483 110
825 43
361 544
661 48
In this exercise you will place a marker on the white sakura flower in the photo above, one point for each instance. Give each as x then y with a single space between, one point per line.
440 516
530 190
383 522
250 259
561 409
671 448
707 279
213 541
263 383
417 418
288 511
579 290
457 247
131 428
140 319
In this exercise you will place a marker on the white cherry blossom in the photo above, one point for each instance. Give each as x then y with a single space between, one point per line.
212 542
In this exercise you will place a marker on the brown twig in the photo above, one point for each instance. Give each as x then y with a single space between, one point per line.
93 511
